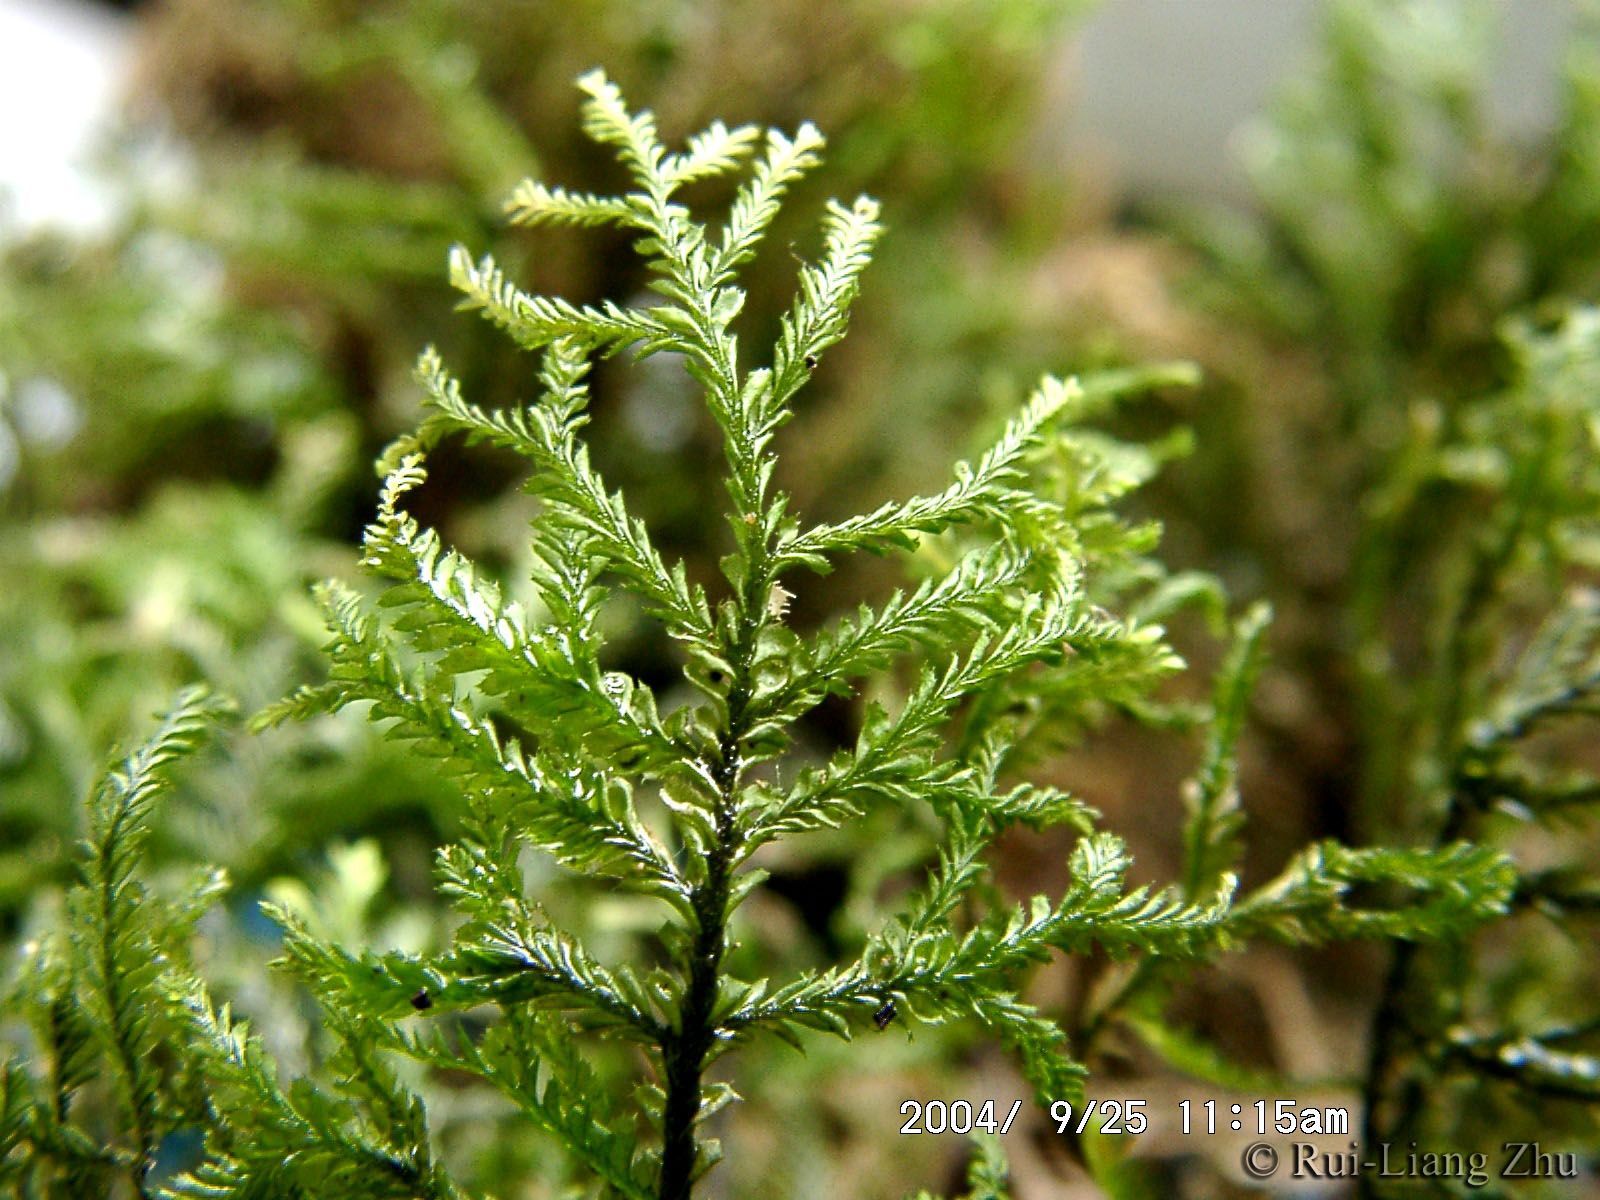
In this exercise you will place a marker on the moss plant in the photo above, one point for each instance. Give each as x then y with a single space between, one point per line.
1024 627
1443 274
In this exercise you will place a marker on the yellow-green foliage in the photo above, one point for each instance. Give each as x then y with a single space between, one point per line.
571 776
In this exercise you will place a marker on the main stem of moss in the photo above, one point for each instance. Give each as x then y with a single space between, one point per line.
684 1051
1461 657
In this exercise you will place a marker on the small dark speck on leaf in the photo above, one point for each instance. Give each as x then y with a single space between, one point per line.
884 1015
811 362
422 1001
